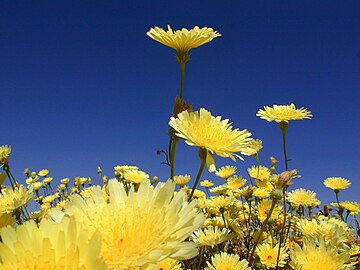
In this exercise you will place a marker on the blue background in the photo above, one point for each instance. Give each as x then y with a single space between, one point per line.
82 85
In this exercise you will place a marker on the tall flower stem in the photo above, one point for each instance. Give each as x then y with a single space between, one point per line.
202 155
182 79
173 144
340 208
282 229
251 256
284 126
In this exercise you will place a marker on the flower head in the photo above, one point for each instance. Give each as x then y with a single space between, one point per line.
268 255
5 151
337 183
206 183
183 40
182 180
135 176
302 197
211 133
259 172
211 236
225 171
280 113
253 147
224 261
132 227
50 246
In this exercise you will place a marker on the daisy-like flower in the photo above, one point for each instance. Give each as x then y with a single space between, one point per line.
211 133
268 255
120 169
352 207
259 172
261 193
337 183
11 200
43 172
280 113
226 171
224 261
5 151
253 147
206 183
135 176
302 197
132 227
313 256
263 208
264 184
211 236
235 182
182 180
50 246
219 190
199 194
183 40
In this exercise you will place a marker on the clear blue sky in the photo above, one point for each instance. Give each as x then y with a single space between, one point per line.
82 85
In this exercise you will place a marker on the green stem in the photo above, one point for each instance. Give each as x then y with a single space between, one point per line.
340 208
172 145
282 229
202 155
182 79
283 126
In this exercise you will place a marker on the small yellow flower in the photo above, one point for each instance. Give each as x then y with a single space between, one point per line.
261 193
224 261
199 194
120 169
182 180
225 171
264 184
206 183
259 172
169 264
43 172
211 236
352 207
337 183
47 180
78 181
235 182
65 181
263 208
253 147
135 176
5 151
219 190
302 197
183 40
211 133
268 255
279 113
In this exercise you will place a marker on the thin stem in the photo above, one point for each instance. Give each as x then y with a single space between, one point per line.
282 229
283 126
173 146
182 79
340 208
202 155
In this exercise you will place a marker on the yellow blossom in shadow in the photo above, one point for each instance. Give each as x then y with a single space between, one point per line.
211 133
211 236
225 171
279 113
224 261
263 208
253 147
139 228
337 183
50 246
261 193
5 151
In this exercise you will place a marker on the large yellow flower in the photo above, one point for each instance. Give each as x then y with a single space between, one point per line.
319 257
337 183
50 246
138 229
226 261
211 133
183 40
279 113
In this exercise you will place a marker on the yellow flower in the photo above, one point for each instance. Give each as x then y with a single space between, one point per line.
313 256
65 181
352 207
211 133
132 227
222 189
182 180
5 151
264 184
279 113
206 183
235 182
225 171
268 255
183 40
10 200
211 236
259 172
302 197
135 176
226 261
337 183
263 208
47 180
169 264
120 169
199 194
50 246
43 172
253 147
261 193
